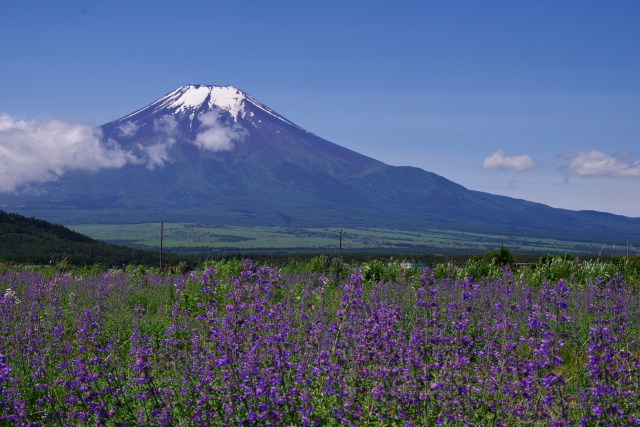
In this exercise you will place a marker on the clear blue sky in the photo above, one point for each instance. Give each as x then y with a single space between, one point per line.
538 100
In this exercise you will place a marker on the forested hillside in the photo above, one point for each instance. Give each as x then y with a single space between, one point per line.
34 241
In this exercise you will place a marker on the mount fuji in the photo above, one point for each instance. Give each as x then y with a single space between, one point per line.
214 155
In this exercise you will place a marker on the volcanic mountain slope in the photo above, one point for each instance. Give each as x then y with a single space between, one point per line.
215 155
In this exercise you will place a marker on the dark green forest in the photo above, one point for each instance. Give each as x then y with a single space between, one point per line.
33 241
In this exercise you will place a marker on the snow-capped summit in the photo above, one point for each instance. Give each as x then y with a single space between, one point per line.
194 99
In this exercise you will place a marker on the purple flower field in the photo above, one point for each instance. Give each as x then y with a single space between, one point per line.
263 346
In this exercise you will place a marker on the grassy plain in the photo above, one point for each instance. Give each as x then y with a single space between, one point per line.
190 238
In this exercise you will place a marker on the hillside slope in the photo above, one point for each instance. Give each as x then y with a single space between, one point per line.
33 241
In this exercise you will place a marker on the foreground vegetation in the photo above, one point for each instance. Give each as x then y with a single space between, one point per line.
324 343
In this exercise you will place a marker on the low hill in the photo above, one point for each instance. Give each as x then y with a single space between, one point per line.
34 241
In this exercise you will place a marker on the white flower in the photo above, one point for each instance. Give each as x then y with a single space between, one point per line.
10 296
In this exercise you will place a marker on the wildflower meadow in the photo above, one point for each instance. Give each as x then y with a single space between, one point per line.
235 343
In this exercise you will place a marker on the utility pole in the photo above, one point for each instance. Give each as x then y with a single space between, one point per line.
341 232
161 238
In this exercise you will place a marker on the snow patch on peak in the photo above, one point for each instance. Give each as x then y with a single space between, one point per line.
225 97
198 97
192 98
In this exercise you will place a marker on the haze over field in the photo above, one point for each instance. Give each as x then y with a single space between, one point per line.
538 101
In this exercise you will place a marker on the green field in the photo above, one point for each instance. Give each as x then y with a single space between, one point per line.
189 238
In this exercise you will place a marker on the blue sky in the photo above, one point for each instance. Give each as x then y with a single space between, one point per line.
534 100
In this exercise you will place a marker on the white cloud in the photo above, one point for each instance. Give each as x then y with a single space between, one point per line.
128 129
36 151
167 125
497 161
597 163
42 150
157 154
215 135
